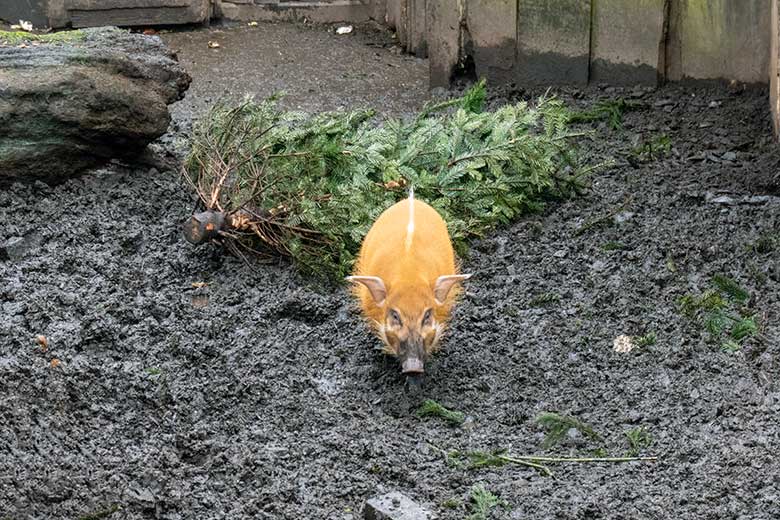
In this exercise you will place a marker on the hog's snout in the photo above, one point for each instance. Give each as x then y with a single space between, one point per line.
412 366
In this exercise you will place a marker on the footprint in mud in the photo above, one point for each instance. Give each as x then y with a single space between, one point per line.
309 309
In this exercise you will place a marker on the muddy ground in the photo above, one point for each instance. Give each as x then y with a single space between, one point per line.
260 395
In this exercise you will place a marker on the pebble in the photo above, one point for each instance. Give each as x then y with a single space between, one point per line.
394 506
623 216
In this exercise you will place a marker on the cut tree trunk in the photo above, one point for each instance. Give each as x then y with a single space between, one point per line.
77 102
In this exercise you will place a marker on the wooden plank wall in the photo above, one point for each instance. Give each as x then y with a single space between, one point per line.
774 67
580 41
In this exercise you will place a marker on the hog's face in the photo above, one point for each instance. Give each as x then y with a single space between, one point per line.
411 335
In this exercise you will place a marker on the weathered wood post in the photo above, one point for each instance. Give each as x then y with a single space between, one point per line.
774 68
443 20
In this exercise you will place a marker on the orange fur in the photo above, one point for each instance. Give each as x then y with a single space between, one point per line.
409 273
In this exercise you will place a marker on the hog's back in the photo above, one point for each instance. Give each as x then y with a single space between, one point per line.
384 251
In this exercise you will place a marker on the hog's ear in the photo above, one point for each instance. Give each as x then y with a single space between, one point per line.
444 283
375 286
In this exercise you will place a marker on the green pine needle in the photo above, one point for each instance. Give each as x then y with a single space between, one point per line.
731 288
610 110
474 98
744 328
482 503
646 340
431 408
557 426
722 311
638 439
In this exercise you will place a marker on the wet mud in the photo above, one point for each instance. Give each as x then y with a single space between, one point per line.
177 382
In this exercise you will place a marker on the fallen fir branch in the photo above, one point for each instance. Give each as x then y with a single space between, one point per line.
481 459
558 425
276 182
431 408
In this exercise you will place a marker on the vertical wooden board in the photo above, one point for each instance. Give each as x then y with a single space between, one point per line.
723 39
492 25
393 13
443 29
774 68
553 41
402 25
417 39
627 41
379 11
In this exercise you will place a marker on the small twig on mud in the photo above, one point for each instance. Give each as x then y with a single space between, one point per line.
579 459
481 459
101 514
606 218
530 460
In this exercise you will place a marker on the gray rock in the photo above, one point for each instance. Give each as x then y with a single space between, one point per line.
16 248
438 92
65 107
394 506
139 495
721 199
623 216
729 156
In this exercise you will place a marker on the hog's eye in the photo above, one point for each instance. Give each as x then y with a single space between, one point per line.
395 318
427 318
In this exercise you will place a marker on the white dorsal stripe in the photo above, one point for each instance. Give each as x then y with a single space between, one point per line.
410 224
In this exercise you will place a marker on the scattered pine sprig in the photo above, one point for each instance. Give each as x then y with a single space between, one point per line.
610 110
645 340
557 426
722 311
652 149
638 439
765 243
731 288
431 408
482 503
543 299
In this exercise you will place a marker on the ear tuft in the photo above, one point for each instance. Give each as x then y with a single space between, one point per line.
375 286
445 283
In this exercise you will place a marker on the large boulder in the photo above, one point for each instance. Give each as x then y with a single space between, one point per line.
72 101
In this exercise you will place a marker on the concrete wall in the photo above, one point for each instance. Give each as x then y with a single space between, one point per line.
579 41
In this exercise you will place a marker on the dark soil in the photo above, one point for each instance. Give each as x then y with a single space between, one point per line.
261 395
